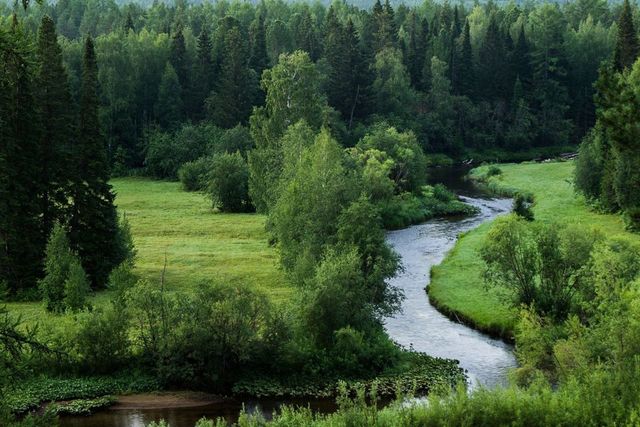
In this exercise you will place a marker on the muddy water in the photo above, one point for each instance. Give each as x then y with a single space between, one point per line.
420 325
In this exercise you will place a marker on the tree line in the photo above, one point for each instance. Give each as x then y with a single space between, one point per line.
607 169
463 79
54 166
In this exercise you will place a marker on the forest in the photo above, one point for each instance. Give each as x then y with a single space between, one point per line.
210 197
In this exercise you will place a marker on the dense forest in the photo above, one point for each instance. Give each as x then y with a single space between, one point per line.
321 120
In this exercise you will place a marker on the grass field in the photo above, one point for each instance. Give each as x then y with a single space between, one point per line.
200 244
456 285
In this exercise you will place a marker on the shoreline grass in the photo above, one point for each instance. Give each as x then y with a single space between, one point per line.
457 288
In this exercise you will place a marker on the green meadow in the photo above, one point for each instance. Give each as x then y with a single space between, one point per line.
456 284
199 244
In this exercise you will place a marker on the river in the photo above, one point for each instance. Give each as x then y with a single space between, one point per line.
420 326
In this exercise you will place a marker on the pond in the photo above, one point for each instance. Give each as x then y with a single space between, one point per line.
420 325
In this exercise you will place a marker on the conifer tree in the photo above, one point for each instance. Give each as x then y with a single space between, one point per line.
76 287
492 64
230 104
169 107
54 99
465 78
204 74
521 60
178 57
93 226
385 32
58 258
21 239
627 47
259 59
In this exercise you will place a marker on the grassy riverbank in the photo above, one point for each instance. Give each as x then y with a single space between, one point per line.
456 285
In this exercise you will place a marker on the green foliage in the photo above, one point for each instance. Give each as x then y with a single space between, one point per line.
228 183
494 171
166 152
82 406
29 394
76 287
93 222
58 260
406 162
589 166
193 175
538 265
202 339
522 203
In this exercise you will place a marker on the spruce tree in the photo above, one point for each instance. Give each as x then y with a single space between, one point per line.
466 78
169 106
93 226
178 57
22 241
230 104
76 287
521 60
385 32
627 47
58 257
492 64
259 59
204 74
54 99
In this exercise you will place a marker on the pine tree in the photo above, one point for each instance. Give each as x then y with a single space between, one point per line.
492 64
230 104
22 242
385 33
521 60
178 57
204 74
627 47
169 107
128 24
259 60
54 99
93 226
466 78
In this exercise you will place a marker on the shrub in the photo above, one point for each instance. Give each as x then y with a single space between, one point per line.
228 183
193 175
522 203
235 139
493 170
166 152
102 340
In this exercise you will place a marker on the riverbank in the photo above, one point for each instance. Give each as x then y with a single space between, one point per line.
457 287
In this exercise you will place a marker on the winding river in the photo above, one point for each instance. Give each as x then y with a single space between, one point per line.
419 326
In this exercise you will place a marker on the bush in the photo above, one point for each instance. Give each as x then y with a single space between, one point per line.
493 170
522 203
590 165
102 340
166 152
193 175
228 183
235 139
